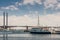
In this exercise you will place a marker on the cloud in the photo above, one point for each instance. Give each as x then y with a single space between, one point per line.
10 7
21 20
47 3
53 4
18 4
50 3
28 1
45 20
32 2
58 6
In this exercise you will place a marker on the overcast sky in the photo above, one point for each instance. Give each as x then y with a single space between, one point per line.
24 12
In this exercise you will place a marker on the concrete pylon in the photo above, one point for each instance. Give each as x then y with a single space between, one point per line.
5 35
6 19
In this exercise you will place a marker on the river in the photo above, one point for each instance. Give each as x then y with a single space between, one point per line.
28 36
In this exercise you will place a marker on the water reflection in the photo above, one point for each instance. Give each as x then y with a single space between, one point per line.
32 36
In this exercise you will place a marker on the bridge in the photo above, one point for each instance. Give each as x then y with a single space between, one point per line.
5 20
6 26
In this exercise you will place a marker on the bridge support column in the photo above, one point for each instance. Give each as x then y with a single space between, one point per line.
5 34
26 29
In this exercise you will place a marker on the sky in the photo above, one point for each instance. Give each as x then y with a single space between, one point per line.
25 12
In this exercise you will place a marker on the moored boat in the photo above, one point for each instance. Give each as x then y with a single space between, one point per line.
39 31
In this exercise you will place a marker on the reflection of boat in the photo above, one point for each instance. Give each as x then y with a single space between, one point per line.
39 31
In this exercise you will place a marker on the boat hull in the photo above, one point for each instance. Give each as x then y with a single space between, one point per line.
40 32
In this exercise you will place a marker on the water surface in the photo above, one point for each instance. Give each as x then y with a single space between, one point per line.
28 36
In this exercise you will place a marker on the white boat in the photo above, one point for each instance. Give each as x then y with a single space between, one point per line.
39 31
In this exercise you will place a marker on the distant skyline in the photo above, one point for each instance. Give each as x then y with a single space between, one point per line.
24 12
